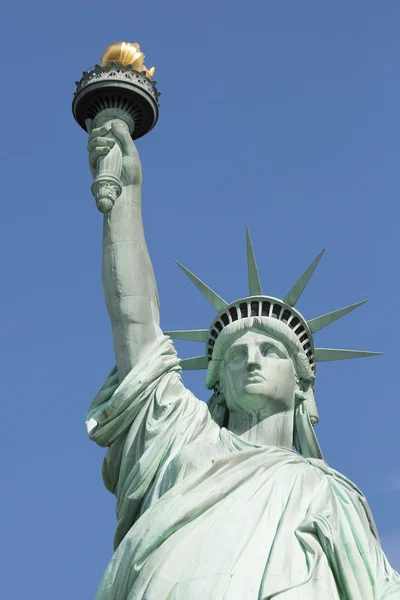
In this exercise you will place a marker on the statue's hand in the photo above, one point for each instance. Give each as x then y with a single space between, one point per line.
101 142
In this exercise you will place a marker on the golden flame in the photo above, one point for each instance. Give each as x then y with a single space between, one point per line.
124 54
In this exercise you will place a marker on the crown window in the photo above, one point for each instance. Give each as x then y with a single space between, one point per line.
234 314
265 309
255 309
276 311
243 309
224 319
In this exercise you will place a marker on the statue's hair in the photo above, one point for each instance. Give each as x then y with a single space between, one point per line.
280 332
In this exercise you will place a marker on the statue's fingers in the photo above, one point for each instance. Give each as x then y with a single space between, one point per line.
89 125
123 136
100 141
99 132
97 152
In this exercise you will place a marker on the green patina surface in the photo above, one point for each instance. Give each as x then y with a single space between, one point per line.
212 500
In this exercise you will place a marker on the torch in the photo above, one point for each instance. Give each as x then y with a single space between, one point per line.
121 89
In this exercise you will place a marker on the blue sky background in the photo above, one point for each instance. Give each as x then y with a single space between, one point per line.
279 115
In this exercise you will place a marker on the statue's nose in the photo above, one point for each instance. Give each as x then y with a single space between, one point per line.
253 366
254 360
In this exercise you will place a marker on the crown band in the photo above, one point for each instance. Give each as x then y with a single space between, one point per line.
264 306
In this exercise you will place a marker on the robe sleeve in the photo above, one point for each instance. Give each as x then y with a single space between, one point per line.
386 578
143 421
347 532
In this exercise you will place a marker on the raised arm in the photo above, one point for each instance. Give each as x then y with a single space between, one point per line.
128 279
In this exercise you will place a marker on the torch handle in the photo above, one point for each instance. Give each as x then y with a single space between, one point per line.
107 184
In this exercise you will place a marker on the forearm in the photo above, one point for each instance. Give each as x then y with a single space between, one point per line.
128 280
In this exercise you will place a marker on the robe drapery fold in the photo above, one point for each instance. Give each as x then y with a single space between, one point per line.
204 514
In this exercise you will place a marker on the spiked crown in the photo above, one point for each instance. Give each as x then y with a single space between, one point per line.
258 305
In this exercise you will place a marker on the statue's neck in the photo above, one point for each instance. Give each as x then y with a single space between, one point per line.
263 429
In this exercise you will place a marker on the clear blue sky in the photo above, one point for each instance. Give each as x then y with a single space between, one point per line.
282 115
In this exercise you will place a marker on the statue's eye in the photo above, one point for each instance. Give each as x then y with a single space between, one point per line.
270 351
238 354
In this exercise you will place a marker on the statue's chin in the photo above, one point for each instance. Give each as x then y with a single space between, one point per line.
255 398
255 389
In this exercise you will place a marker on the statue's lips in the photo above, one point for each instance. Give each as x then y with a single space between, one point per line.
255 378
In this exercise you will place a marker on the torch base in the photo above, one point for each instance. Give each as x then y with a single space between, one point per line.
108 87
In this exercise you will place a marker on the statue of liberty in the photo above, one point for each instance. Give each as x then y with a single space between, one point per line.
229 499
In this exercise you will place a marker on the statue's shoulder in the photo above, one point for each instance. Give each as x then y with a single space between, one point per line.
343 486
336 479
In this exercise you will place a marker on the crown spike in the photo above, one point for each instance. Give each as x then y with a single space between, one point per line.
216 301
298 288
325 320
254 278
196 363
191 335
329 354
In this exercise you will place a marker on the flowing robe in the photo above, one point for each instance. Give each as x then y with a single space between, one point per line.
203 514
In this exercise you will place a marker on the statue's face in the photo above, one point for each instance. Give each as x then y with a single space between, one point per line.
258 375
